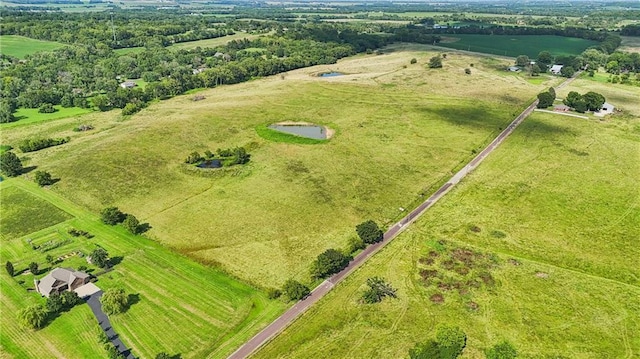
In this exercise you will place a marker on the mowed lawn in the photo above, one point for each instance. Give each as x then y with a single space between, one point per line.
514 45
559 205
26 116
180 307
20 46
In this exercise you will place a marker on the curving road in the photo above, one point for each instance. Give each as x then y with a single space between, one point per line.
96 307
300 307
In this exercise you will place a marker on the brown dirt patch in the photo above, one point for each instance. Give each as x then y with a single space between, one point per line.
542 275
473 306
514 262
437 298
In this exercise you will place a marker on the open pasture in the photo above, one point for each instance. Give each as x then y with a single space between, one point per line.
214 312
20 46
558 204
400 130
514 45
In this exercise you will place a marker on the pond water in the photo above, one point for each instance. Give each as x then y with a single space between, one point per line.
309 131
210 164
331 74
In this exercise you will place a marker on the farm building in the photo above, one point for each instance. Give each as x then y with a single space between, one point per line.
555 69
513 68
606 109
128 85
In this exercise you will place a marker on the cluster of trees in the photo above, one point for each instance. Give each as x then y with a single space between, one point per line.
10 164
37 316
228 156
448 344
43 178
100 257
546 98
36 144
113 216
329 262
590 101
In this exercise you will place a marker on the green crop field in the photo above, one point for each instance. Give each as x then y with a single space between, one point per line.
214 313
558 206
20 46
514 45
400 130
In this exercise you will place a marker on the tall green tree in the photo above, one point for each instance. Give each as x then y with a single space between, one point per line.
33 268
100 257
114 301
43 178
132 224
111 216
369 232
522 61
545 99
295 290
502 350
9 267
593 100
329 262
33 317
10 164
545 58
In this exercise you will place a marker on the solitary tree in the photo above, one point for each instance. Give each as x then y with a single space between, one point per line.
33 317
295 290
567 71
9 268
10 164
43 178
33 268
131 223
435 62
535 70
111 216
329 262
502 350
378 289
114 301
369 232
545 99
100 257
522 60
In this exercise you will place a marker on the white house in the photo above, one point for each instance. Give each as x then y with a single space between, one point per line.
555 69
513 68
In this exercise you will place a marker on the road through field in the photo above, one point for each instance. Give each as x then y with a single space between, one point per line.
290 315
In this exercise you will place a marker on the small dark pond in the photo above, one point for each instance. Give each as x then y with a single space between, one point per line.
210 164
311 131
331 74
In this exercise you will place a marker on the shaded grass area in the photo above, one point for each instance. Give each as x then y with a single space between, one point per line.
214 313
218 41
514 45
23 213
558 209
291 202
277 136
20 46
27 116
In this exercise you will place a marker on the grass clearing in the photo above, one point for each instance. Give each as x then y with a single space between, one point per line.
276 136
28 116
218 41
23 213
514 45
393 143
630 43
559 207
214 312
20 46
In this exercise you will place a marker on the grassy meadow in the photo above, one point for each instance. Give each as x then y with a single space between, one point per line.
218 41
214 312
514 45
400 129
557 205
20 46
26 116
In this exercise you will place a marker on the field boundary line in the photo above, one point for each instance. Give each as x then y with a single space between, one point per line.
286 319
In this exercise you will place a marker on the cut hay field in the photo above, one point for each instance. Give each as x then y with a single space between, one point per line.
20 46
558 205
514 45
400 130
214 313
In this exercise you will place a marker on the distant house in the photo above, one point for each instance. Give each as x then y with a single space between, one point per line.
606 109
555 69
198 70
438 26
561 108
128 85
60 280
513 68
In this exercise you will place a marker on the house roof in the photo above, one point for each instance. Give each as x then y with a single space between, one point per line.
58 277
556 68
514 68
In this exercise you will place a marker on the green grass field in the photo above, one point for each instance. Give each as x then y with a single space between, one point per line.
28 116
401 130
514 45
218 41
558 203
20 46
182 308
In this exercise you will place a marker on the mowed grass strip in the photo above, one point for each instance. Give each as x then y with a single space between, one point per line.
559 206
214 312
23 213
514 45
401 129
20 46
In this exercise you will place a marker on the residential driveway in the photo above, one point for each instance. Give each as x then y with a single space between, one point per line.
96 307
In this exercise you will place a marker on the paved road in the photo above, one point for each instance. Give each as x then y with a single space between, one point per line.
103 321
290 315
